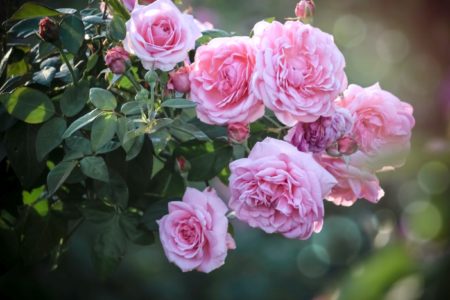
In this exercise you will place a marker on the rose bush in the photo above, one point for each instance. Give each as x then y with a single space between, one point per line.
111 115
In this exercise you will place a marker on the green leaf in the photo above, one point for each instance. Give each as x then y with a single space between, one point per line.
118 8
58 175
208 35
82 121
103 130
134 231
102 99
153 213
178 103
115 191
74 98
29 105
20 142
79 144
33 10
133 108
71 33
117 29
97 212
109 248
24 28
49 137
185 132
4 61
167 184
95 167
135 149
160 140
45 76
207 159
91 63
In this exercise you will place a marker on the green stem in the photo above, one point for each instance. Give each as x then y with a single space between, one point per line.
69 66
130 76
272 121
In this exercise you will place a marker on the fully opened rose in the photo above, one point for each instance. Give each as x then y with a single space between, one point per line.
299 71
194 233
280 189
220 82
160 35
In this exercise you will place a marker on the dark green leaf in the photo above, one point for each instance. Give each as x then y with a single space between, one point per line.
114 192
134 231
92 61
33 10
208 35
117 29
74 98
95 167
153 213
58 175
109 248
108 147
49 137
102 99
211 131
103 130
185 132
136 147
78 144
178 103
82 121
167 184
20 141
160 140
45 49
133 108
97 212
71 33
207 159
29 105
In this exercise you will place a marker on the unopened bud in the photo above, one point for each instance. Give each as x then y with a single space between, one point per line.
238 132
304 9
347 145
179 80
48 30
182 164
151 77
116 59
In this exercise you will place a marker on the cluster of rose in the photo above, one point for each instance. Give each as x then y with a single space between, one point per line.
339 135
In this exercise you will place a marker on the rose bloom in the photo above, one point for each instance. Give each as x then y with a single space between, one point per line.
238 132
220 82
194 234
116 59
299 71
383 123
160 35
318 135
280 189
354 180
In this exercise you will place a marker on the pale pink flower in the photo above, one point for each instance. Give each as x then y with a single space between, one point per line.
238 132
320 134
299 71
203 26
116 59
280 189
179 80
354 180
160 35
383 123
220 82
304 9
194 234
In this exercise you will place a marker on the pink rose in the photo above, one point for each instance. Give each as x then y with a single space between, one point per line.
354 181
299 71
220 82
238 132
116 59
383 123
203 26
194 234
179 80
160 35
280 189
320 134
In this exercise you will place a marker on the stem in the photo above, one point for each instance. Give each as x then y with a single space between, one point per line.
69 66
272 121
130 76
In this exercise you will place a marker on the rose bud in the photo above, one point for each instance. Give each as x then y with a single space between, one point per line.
182 164
347 145
179 80
238 132
305 9
48 30
116 59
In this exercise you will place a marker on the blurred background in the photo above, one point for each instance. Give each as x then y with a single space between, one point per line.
397 249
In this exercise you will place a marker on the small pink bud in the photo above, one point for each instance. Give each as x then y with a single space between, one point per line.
116 59
305 9
347 145
48 30
179 80
182 164
238 132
